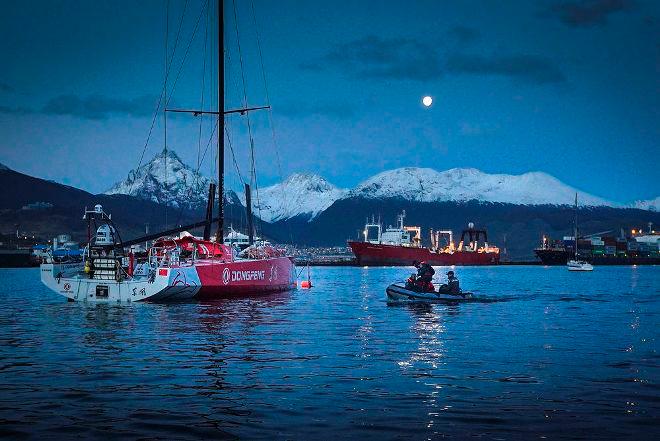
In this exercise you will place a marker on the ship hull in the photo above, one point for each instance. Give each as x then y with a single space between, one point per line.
239 278
560 257
385 255
205 279
16 259
552 257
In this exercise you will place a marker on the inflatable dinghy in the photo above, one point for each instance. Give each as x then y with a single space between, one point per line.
399 292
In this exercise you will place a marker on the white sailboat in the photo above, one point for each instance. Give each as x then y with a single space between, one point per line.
576 264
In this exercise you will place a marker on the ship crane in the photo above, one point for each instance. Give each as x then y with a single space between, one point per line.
437 235
600 233
473 236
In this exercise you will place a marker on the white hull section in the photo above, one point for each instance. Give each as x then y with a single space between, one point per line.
168 284
573 265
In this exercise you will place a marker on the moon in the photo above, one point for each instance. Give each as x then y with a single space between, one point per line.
427 101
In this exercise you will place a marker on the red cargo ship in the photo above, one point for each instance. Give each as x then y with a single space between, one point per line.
401 245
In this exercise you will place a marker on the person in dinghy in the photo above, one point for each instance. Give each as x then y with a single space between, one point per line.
422 281
452 286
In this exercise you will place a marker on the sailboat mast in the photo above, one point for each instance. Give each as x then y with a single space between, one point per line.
221 121
575 228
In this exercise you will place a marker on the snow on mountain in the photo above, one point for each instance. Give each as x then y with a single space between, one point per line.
650 204
300 194
165 179
464 184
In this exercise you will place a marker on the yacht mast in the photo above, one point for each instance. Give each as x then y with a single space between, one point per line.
220 113
221 121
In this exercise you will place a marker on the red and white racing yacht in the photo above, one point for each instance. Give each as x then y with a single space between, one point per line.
177 266
173 269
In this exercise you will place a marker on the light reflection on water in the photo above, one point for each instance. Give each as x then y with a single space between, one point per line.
544 352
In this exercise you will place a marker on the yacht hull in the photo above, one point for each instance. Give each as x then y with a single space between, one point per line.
204 279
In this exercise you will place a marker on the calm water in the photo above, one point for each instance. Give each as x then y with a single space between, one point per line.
549 354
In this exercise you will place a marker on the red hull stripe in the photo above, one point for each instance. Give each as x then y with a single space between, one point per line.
245 277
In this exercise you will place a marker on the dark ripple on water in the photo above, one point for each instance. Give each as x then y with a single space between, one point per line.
541 353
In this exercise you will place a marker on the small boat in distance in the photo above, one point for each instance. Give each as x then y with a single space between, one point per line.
577 264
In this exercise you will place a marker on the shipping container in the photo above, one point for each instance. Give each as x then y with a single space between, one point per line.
609 241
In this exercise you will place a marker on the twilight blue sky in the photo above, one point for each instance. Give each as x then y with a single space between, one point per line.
570 88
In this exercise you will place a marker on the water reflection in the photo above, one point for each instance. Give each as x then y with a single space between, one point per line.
427 328
251 311
428 359
337 359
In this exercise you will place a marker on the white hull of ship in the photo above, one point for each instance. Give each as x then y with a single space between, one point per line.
75 287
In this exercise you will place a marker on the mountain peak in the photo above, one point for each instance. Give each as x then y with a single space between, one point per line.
309 181
650 204
4 167
169 154
303 177
300 194
165 179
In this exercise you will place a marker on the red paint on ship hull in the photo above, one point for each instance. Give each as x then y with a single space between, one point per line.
245 277
379 254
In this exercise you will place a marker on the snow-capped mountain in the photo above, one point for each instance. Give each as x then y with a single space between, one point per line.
165 179
650 204
300 194
464 184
